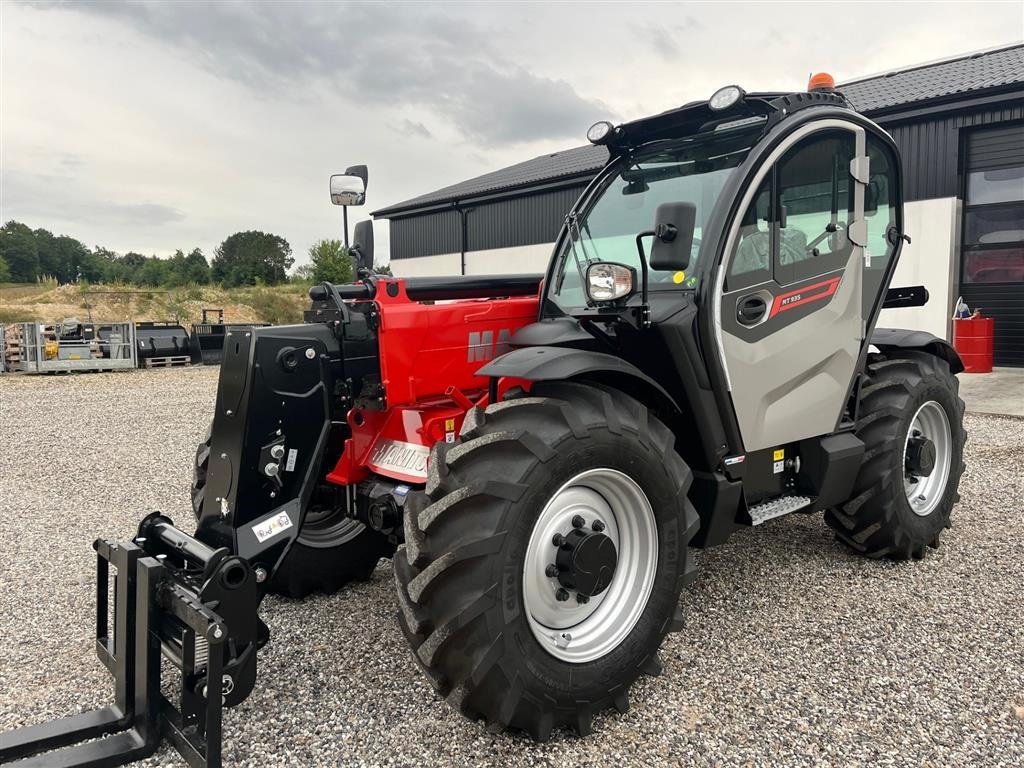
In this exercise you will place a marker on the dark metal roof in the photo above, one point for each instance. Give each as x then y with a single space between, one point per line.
936 81
566 164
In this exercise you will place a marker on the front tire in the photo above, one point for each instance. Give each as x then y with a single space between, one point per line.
471 579
897 509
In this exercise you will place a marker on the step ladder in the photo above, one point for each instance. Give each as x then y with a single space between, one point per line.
777 507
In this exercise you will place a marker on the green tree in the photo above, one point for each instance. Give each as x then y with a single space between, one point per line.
155 272
302 273
79 262
18 248
176 269
248 258
5 271
331 262
197 269
51 262
383 269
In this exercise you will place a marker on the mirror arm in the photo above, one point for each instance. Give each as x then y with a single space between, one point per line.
645 310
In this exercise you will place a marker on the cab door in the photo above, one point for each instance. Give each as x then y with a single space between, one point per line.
789 294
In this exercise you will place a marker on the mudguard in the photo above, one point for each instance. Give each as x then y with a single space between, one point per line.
902 338
562 364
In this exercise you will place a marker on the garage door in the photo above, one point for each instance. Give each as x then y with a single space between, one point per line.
992 254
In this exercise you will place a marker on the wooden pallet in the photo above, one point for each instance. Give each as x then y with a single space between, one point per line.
13 343
166 362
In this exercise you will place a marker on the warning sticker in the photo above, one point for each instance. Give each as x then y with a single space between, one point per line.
449 425
289 465
779 454
270 528
778 466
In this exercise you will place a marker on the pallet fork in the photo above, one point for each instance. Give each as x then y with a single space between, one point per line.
174 598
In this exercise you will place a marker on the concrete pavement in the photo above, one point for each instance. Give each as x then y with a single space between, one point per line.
1000 392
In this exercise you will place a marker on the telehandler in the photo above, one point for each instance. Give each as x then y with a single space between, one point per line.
538 453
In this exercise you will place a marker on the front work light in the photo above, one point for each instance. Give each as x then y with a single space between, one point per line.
725 97
600 132
607 281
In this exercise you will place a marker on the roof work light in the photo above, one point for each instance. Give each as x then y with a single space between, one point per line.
725 97
600 132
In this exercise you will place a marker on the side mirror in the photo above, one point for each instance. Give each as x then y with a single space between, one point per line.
673 235
347 189
362 248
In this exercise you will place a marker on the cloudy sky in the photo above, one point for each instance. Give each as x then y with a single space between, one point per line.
157 126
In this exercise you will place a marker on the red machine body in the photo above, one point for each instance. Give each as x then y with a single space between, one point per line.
429 356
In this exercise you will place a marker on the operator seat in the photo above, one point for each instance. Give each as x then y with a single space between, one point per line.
754 250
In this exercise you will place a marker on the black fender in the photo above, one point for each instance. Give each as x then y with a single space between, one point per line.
562 364
901 338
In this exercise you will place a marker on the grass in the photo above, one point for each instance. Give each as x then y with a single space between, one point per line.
48 302
10 314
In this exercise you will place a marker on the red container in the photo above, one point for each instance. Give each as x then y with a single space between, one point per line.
972 339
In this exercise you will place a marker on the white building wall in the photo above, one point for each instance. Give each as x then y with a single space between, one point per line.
930 260
427 266
523 259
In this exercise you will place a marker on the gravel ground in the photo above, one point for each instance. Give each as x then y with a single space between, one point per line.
795 653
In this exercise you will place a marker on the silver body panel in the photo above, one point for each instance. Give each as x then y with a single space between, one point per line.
793 383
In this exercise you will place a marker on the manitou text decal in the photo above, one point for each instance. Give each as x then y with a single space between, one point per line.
814 292
400 457
482 346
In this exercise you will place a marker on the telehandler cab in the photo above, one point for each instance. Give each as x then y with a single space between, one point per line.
538 453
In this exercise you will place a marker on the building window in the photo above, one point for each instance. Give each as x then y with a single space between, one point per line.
993 226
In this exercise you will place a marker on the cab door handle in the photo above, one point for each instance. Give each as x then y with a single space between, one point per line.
750 309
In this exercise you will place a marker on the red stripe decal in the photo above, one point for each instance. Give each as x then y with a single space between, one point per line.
808 293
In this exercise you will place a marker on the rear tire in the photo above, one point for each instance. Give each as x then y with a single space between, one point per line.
331 549
892 512
466 580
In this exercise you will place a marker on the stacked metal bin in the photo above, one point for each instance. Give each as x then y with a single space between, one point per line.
38 348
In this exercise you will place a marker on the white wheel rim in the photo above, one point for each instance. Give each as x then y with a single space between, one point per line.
925 493
567 629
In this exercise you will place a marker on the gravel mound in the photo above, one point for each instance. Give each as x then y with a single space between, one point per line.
795 652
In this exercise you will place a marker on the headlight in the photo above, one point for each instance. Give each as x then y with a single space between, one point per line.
600 132
608 282
725 97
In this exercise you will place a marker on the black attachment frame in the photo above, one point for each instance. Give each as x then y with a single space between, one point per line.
153 607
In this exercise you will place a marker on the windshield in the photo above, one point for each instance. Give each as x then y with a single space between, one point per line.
691 170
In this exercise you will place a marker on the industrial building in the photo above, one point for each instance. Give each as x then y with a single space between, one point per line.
959 124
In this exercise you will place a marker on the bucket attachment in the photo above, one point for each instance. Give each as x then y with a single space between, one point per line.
174 598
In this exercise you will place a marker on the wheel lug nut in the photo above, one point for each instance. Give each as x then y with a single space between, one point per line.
578 521
562 594
551 570
597 526
558 539
582 599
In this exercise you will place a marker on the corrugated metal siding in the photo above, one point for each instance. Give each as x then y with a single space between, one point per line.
525 220
520 221
930 149
425 235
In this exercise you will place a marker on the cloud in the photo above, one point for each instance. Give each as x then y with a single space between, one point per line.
40 194
376 55
667 40
413 128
